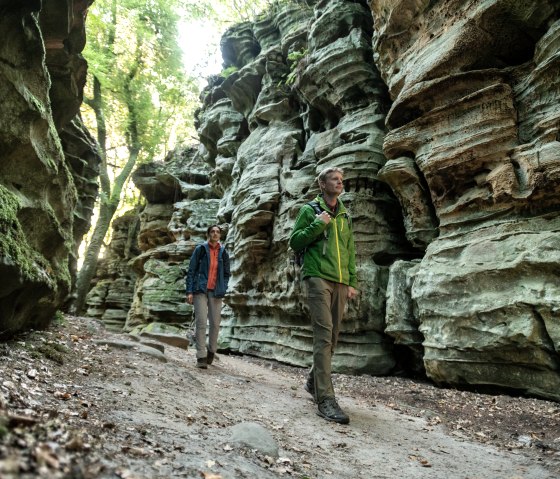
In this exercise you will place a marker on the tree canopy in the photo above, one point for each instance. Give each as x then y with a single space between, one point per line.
134 55
140 100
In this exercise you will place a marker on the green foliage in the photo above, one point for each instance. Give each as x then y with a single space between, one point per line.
241 10
294 59
296 56
228 71
133 51
59 318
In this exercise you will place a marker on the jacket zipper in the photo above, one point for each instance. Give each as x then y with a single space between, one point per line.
337 248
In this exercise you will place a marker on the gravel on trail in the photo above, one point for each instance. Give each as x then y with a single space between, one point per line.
77 401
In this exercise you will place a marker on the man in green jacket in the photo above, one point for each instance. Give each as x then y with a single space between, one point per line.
329 272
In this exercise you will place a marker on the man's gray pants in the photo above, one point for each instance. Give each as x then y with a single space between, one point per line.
206 308
326 301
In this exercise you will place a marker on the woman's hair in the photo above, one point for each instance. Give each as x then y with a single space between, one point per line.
211 227
332 169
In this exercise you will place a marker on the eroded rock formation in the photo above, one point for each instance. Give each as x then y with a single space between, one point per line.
264 140
110 297
181 205
288 135
444 116
474 157
41 78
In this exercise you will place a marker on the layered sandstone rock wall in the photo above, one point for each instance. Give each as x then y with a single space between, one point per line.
180 206
268 139
110 297
444 115
474 157
43 155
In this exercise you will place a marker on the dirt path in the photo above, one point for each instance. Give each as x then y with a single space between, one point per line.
110 411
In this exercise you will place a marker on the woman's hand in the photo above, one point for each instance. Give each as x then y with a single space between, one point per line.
190 298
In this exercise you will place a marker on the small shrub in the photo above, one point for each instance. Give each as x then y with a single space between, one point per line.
294 59
59 318
228 71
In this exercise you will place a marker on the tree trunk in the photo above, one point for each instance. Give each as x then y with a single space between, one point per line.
110 193
107 209
87 272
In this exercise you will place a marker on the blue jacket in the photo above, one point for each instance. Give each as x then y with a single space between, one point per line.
197 275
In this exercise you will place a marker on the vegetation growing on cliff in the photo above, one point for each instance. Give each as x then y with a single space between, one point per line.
294 59
14 245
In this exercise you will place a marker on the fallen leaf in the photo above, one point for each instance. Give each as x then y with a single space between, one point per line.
210 475
76 443
64 396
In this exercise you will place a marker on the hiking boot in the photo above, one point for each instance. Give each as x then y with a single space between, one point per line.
210 358
330 410
202 363
309 386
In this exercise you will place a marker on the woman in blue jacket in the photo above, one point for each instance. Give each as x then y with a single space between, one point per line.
206 283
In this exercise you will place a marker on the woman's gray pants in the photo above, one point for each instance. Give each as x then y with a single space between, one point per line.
206 307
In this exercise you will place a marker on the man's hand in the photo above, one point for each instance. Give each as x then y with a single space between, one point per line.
324 217
352 293
190 298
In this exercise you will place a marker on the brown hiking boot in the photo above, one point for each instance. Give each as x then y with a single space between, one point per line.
210 358
202 363
330 410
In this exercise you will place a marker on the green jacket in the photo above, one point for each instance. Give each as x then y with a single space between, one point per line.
330 250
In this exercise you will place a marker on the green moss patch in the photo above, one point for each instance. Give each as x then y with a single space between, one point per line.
54 351
14 246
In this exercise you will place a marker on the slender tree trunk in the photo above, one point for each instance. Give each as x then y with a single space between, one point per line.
110 193
89 266
107 209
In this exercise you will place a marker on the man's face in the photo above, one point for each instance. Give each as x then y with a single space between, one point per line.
333 184
214 235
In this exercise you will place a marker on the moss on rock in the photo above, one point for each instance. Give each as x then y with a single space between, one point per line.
14 248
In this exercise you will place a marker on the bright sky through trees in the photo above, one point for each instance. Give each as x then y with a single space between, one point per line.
200 42
199 36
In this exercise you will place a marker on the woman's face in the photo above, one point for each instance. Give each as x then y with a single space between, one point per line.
214 235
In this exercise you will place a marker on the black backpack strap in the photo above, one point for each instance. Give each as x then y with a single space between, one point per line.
316 207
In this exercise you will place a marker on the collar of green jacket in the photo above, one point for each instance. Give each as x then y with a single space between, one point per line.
340 210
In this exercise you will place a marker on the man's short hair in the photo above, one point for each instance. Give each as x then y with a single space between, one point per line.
211 227
331 169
